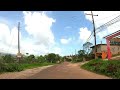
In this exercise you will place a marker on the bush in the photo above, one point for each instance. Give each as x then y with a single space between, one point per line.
8 59
89 57
13 67
109 68
28 59
2 67
1 59
53 58
8 63
10 67
41 59
77 60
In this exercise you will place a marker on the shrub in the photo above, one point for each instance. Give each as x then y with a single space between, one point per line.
13 67
8 58
53 58
109 68
41 59
10 67
2 67
77 60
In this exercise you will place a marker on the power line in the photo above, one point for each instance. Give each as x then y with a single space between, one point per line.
106 17
102 27
109 23
90 36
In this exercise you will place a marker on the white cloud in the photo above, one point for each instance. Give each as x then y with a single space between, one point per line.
8 39
102 18
30 48
4 32
38 24
40 36
57 50
84 34
65 41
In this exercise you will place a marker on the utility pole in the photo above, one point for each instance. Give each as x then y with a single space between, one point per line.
19 55
94 31
18 37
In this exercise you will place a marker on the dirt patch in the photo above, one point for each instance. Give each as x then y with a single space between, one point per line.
64 70
67 71
22 74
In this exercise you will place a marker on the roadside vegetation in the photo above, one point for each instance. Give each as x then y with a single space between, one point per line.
9 63
80 57
108 68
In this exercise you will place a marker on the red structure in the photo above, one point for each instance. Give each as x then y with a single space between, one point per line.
108 38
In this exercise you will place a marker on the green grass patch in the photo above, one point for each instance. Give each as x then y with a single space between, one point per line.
34 65
16 67
108 68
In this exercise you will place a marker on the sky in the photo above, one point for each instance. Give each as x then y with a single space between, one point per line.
60 32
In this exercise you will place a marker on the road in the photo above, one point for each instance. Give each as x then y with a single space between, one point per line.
66 70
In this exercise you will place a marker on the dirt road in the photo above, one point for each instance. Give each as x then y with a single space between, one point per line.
64 70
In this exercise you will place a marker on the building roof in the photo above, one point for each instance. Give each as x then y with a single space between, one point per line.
117 33
97 45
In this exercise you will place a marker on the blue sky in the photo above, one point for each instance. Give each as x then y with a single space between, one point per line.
43 32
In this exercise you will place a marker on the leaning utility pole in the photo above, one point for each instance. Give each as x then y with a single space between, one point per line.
94 31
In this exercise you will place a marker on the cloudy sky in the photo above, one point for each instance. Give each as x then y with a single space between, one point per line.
60 32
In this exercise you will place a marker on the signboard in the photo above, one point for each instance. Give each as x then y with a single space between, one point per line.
19 55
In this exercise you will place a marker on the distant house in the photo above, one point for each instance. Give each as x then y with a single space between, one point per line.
115 49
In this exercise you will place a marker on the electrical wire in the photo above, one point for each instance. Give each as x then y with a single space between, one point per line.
102 27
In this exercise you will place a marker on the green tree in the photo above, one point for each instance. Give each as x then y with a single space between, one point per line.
41 59
81 53
87 48
53 58
30 58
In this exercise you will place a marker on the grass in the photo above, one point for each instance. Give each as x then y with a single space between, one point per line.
108 68
34 65
16 67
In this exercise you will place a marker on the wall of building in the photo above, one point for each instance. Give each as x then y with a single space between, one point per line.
98 49
115 49
103 48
